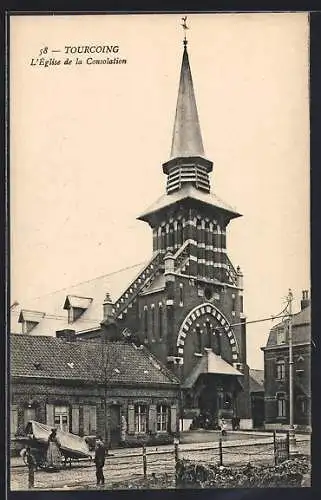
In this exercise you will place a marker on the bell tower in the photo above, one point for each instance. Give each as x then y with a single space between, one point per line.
190 214
198 291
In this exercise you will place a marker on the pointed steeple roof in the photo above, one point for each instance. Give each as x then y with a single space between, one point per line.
187 138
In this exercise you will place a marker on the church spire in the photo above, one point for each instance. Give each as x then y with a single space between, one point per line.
187 165
187 138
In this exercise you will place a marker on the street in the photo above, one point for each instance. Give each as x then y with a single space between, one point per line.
126 464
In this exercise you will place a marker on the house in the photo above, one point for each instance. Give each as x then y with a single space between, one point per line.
185 304
276 370
113 389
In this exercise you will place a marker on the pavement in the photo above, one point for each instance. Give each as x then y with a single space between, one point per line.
127 464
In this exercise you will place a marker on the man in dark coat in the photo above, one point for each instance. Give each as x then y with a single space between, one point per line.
100 453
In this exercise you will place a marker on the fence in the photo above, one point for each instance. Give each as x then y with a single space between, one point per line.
150 462
136 463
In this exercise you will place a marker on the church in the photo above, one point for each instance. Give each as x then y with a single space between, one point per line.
185 305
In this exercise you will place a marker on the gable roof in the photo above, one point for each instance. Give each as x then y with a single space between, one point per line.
256 380
301 328
89 294
49 357
210 363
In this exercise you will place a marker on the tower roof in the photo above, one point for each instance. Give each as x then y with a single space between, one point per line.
187 138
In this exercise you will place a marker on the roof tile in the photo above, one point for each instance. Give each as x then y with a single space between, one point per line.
115 362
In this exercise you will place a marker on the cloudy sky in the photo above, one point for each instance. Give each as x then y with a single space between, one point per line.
88 142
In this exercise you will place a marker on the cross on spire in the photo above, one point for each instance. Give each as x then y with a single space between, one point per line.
185 27
187 138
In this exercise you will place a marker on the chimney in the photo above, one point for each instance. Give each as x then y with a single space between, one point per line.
108 308
305 301
67 334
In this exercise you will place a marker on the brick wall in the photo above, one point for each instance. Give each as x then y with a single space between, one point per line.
38 394
275 385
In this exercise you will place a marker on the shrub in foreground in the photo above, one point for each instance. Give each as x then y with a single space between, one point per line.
288 474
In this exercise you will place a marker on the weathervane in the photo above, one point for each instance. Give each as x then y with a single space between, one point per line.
185 27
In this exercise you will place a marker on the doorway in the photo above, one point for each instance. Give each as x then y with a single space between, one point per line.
114 425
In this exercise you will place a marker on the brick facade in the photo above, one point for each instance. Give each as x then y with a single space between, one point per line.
276 373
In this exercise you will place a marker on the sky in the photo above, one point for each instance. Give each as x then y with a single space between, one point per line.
87 143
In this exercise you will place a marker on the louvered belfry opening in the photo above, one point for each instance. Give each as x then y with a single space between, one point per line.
187 164
191 170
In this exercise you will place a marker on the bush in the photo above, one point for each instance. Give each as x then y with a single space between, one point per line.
287 474
148 440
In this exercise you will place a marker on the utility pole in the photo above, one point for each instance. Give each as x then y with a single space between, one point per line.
292 440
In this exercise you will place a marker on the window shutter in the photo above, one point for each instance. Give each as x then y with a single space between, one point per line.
93 420
14 420
173 418
131 419
50 420
152 419
86 417
75 419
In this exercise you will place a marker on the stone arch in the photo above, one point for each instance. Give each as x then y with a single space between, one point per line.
207 308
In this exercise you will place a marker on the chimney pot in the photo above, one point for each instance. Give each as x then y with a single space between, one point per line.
107 307
305 301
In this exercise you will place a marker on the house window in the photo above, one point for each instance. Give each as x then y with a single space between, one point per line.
61 418
302 405
162 418
281 405
140 418
280 370
281 335
160 321
29 414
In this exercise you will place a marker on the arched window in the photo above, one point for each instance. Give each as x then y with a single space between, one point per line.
217 342
152 313
233 302
160 321
208 334
198 339
179 233
171 236
207 234
181 301
145 322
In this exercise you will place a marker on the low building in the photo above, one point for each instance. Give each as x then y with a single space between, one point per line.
256 380
276 370
113 389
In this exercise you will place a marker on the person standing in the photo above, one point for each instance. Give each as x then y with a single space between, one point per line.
100 454
223 426
54 457
31 463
